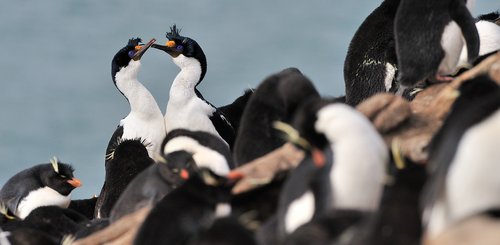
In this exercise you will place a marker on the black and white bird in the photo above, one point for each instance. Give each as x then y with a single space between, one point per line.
139 135
187 210
428 37
358 150
275 99
306 195
184 152
489 36
42 185
186 106
145 120
206 149
370 65
463 159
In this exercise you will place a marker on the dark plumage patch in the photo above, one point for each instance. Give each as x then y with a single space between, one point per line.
492 17
275 99
189 209
130 157
371 47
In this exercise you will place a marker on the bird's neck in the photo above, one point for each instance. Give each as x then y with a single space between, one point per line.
184 85
140 99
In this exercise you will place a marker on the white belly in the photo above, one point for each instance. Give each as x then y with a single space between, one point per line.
45 196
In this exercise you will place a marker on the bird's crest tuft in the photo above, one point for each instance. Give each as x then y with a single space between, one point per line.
55 164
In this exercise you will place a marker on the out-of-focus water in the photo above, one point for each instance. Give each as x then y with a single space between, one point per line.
57 97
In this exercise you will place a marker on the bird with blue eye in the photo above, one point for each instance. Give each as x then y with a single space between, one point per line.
187 108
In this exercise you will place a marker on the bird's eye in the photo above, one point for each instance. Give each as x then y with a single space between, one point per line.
131 53
175 170
179 47
63 176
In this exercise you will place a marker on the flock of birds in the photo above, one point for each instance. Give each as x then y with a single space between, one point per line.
346 190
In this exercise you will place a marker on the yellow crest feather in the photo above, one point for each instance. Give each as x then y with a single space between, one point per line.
291 134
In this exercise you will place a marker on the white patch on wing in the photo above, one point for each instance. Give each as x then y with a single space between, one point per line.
472 183
359 151
145 120
203 156
390 72
45 196
300 211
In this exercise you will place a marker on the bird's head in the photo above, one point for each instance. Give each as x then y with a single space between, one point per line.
59 176
183 50
134 50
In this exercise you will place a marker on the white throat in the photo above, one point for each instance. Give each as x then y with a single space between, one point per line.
184 108
145 119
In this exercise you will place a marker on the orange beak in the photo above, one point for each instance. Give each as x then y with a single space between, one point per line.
235 175
318 158
75 182
184 174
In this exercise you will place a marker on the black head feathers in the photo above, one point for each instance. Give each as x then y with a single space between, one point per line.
174 33
134 42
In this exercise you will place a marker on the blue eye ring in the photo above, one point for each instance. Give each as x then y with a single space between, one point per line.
179 47
131 53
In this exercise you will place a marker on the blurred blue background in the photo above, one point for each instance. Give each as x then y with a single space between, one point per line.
57 97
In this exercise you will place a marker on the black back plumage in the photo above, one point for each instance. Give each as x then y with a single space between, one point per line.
52 221
85 207
371 48
152 184
275 99
418 28
492 17
188 209
306 177
478 99
39 176
399 210
332 228
234 111
125 159
225 231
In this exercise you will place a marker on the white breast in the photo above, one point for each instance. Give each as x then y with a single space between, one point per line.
203 156
45 196
472 184
360 157
145 120
299 212
489 37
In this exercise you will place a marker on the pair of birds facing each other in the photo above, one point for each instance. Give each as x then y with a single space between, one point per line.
145 123
403 43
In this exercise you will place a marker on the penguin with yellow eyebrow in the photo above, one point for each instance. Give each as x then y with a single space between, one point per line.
42 185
